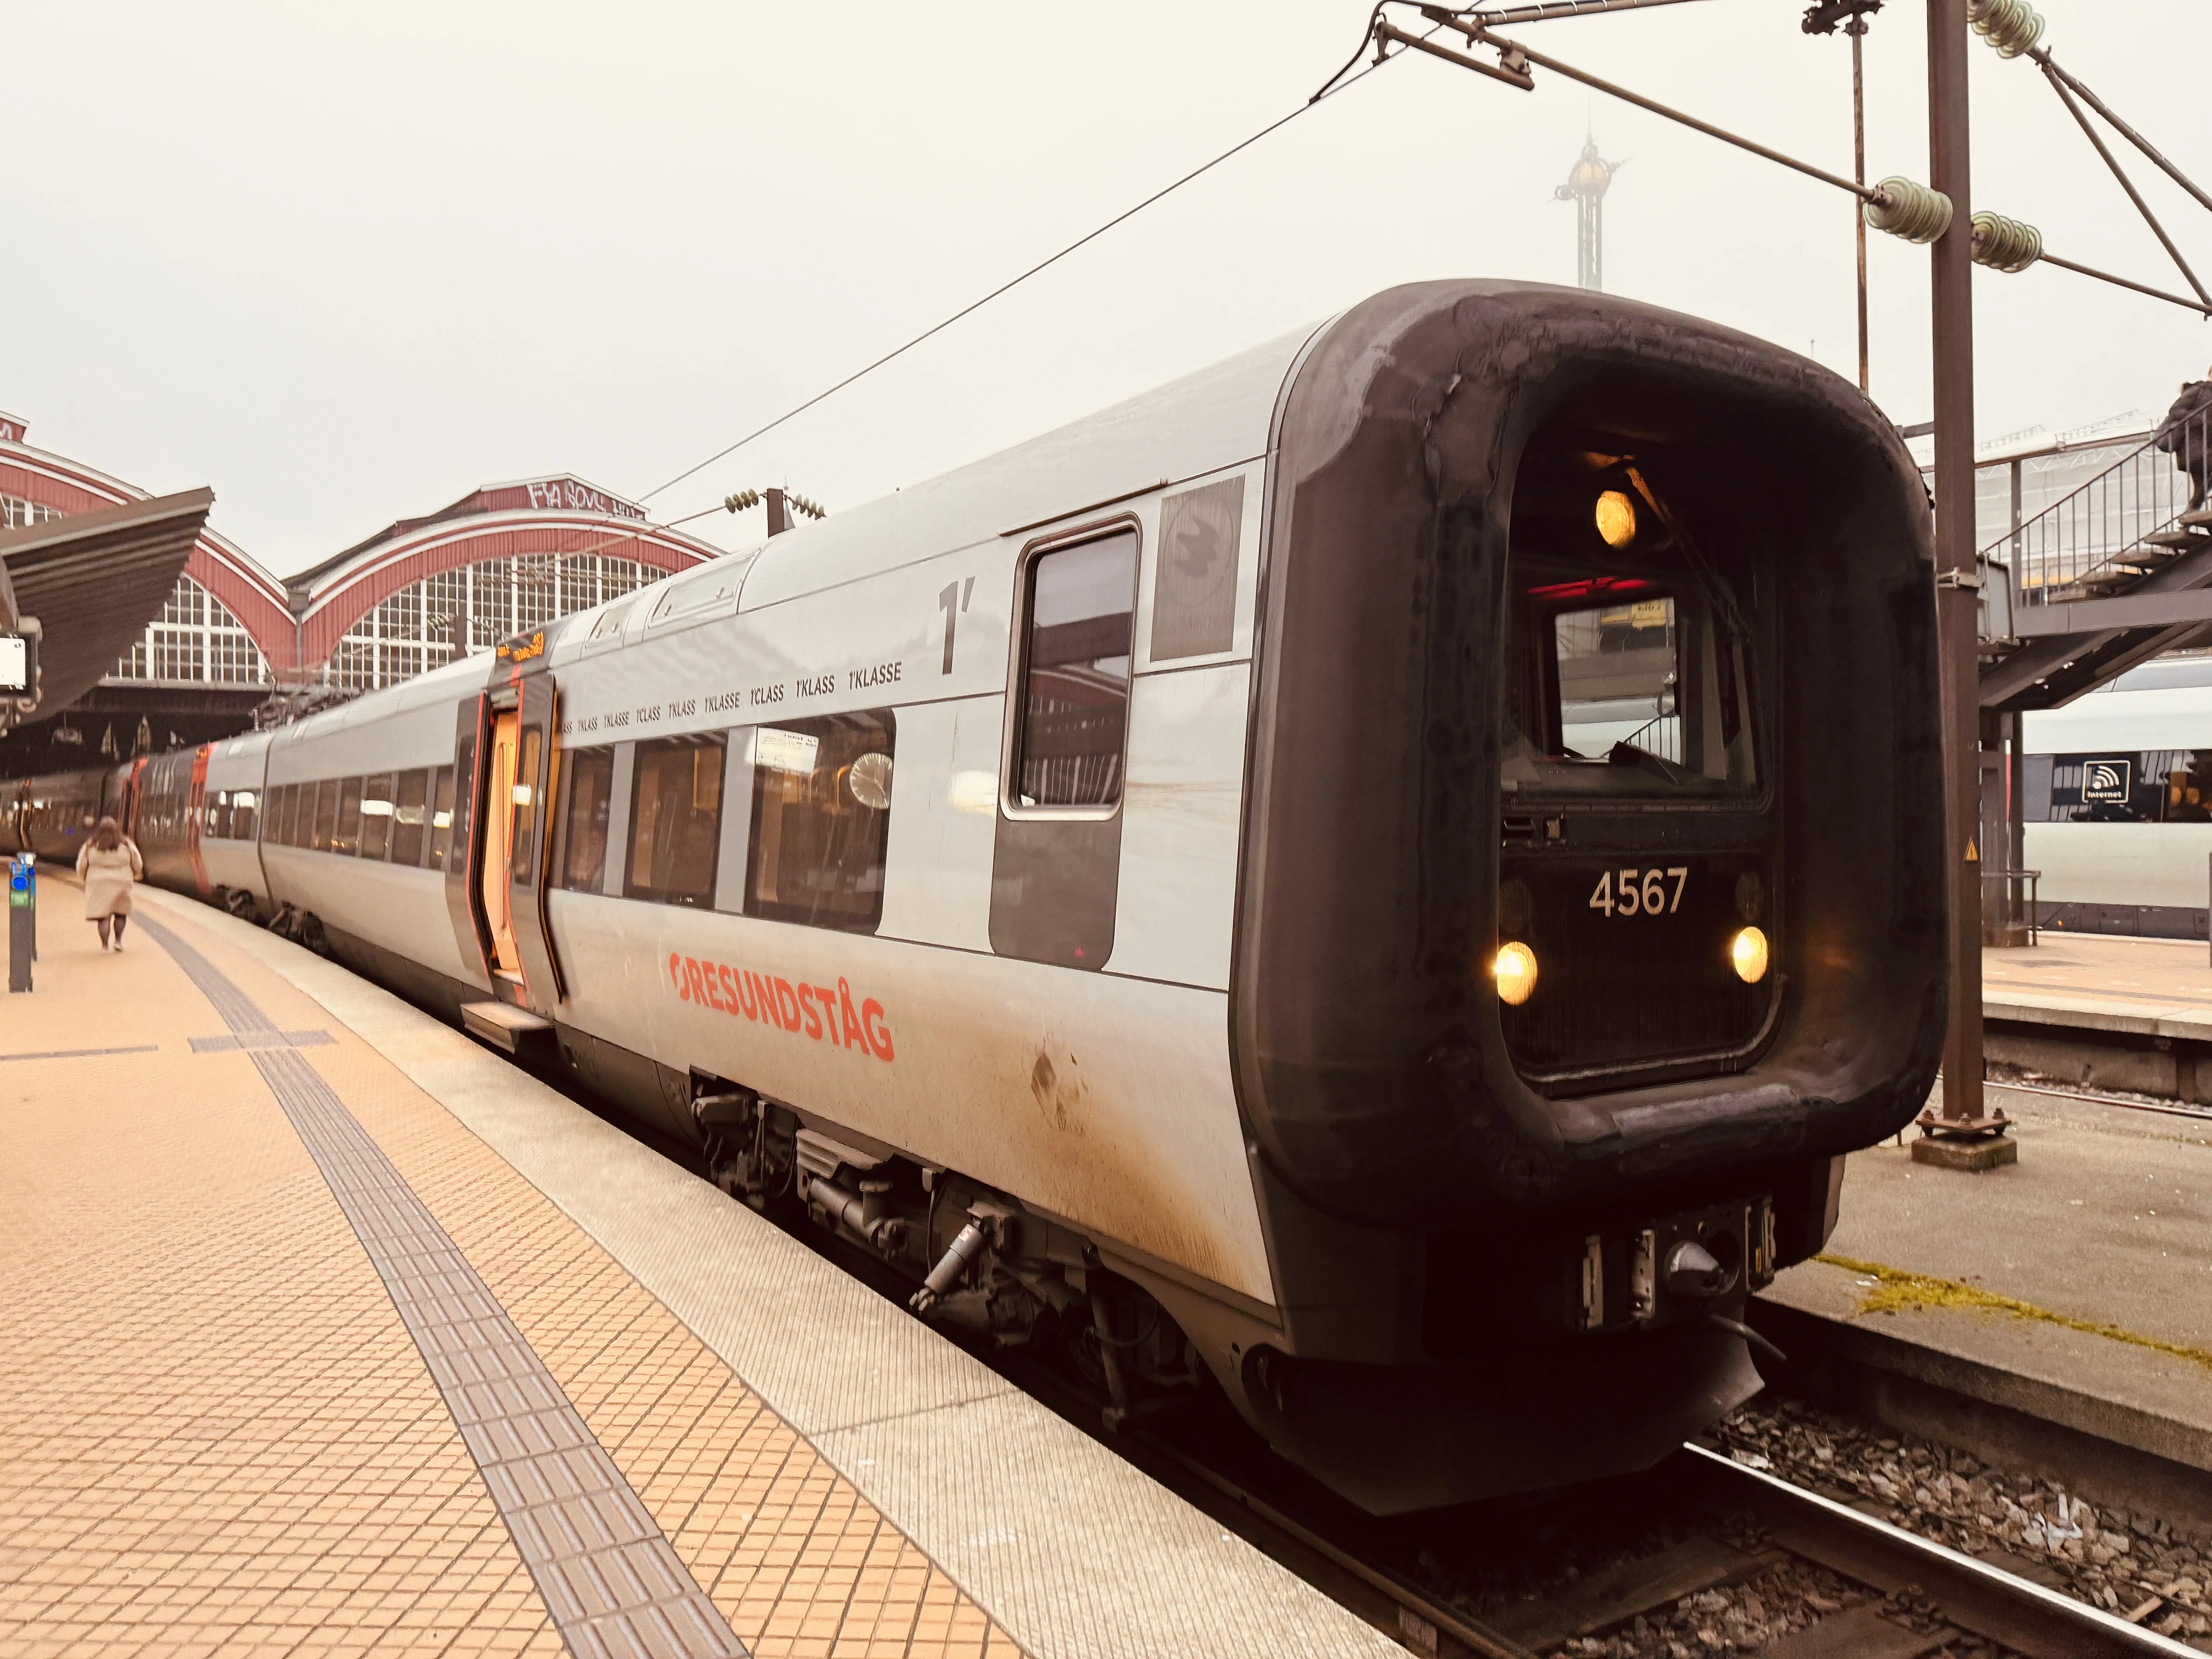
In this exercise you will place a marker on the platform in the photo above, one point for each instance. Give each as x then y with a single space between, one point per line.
324 1328
2145 987
2102 1232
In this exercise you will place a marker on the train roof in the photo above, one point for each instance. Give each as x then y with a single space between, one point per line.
1184 429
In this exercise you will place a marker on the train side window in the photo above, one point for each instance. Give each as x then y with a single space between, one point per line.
216 806
300 821
821 815
345 834
409 810
442 816
1075 675
590 786
244 807
676 820
327 814
376 808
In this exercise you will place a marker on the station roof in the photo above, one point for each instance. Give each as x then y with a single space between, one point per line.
561 490
92 578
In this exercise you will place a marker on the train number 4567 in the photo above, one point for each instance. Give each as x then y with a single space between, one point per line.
1641 892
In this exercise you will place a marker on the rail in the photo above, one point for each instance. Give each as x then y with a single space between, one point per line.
2139 513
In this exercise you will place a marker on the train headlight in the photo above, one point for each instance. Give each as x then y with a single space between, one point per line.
1748 955
1515 971
1616 518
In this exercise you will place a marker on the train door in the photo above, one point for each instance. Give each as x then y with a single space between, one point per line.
530 840
496 828
196 817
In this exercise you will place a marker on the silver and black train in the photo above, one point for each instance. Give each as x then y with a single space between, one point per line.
1382 877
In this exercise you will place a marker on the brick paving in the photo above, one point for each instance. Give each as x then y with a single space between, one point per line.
216 1434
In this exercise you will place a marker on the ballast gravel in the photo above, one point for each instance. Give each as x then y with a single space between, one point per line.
2127 1562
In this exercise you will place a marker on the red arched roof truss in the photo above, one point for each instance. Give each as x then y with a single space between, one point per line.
345 597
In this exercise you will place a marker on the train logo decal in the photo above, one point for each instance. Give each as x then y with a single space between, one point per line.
2107 779
823 1013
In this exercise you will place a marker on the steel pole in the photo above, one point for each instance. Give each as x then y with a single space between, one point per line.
1857 28
1952 271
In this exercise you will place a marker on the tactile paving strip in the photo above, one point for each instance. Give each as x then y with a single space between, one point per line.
607 1573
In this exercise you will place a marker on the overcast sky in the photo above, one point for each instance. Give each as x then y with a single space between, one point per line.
346 263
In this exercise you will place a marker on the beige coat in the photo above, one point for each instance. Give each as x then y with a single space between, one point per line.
107 879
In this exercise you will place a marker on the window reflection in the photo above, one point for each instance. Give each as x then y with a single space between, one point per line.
1075 678
822 796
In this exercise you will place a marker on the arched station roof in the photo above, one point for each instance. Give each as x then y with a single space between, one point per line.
557 517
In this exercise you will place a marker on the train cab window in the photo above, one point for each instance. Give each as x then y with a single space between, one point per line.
327 814
676 820
1629 663
245 804
409 796
376 807
1075 675
821 815
442 816
590 785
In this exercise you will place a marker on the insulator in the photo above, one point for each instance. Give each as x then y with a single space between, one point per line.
1912 210
2013 27
2005 244
742 500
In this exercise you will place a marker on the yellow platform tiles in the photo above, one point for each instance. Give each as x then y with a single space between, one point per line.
323 1330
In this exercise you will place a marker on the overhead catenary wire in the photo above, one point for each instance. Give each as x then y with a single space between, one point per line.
1899 206
1543 11
1013 282
1512 53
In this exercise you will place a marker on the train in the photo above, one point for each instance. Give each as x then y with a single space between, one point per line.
1379 881
2116 803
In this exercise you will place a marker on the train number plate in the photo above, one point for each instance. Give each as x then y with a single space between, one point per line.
1633 890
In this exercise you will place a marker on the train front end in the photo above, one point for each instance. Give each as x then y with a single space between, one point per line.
1592 906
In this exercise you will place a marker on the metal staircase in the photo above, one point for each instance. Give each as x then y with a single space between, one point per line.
2116 573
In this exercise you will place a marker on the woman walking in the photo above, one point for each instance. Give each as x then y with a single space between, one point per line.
108 864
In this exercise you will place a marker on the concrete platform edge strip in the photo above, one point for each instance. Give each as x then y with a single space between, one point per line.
2186 1446
2154 1019
604 1569
946 1451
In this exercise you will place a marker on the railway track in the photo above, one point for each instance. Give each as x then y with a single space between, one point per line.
2132 1102
1966 1602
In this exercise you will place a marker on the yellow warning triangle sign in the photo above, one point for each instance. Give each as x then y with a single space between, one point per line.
1972 856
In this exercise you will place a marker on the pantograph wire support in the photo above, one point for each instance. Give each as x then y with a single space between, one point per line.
2015 28
2127 184
1901 206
